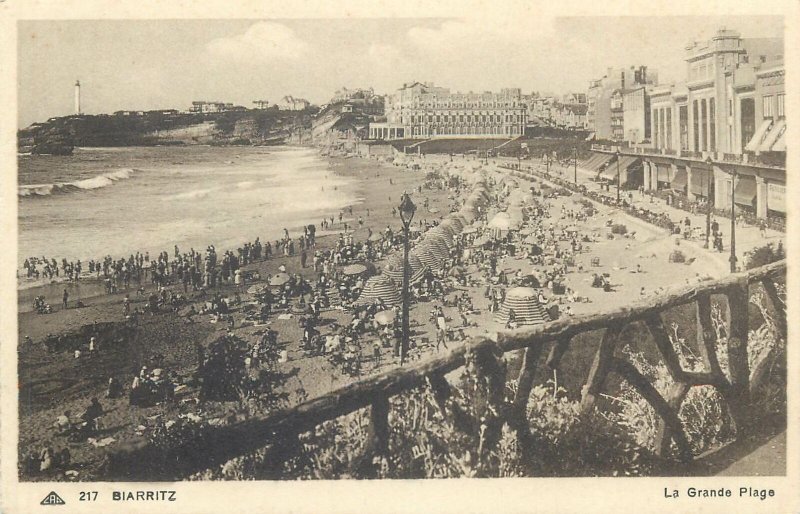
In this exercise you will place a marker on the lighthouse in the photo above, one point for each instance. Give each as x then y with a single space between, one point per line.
77 97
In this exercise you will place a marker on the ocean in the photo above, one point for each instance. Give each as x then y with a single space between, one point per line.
117 201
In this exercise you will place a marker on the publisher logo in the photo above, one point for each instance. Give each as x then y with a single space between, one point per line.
53 499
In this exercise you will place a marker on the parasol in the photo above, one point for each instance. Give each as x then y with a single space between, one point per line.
385 317
279 279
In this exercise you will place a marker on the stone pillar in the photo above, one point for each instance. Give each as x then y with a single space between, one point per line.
761 197
689 193
654 176
646 173
722 194
674 171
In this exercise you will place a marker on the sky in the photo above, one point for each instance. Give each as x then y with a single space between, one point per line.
161 64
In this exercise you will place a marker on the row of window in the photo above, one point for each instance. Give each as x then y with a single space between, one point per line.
456 105
466 131
769 101
452 118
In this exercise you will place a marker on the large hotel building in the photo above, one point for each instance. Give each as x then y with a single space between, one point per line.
420 110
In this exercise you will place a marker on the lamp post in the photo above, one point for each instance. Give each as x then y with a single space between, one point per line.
576 165
617 154
733 221
407 209
708 200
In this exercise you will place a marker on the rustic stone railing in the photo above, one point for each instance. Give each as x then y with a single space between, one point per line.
281 429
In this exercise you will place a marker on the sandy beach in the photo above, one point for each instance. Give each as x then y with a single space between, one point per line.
52 383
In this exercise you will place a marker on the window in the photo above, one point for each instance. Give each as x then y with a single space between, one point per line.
766 106
781 99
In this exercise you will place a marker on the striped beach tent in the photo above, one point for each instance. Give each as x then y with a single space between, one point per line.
439 247
426 255
525 304
394 268
379 287
453 223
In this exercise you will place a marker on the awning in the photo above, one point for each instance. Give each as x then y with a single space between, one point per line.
605 159
590 136
699 181
610 172
755 141
679 179
664 172
780 144
587 164
772 137
627 161
745 192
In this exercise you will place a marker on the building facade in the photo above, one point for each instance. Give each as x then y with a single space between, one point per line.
422 110
603 92
724 128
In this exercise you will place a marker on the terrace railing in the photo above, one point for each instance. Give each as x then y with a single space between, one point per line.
281 429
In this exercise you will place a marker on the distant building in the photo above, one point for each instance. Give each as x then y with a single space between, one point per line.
424 110
290 103
262 104
636 115
599 117
201 106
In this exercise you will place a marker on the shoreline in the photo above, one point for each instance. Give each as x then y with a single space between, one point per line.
28 289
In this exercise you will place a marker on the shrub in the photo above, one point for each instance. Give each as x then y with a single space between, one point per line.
619 228
764 255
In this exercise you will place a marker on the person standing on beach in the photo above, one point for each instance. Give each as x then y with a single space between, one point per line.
303 258
65 298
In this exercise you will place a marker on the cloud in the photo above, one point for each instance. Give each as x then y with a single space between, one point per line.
265 41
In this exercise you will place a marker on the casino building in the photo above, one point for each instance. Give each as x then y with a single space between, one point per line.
721 135
422 110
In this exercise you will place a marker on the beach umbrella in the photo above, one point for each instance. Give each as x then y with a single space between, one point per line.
469 230
257 289
525 304
354 269
279 279
480 241
500 221
379 287
376 236
385 317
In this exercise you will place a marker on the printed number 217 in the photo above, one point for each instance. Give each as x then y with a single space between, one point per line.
88 496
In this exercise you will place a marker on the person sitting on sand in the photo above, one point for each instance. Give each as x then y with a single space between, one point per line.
62 422
92 413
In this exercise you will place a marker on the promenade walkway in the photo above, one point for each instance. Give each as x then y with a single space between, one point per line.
748 237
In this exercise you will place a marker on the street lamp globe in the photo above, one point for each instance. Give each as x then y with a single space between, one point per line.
407 209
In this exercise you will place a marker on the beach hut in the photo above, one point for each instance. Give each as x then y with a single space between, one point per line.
379 287
525 304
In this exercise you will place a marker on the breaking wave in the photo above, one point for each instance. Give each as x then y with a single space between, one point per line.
97 182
